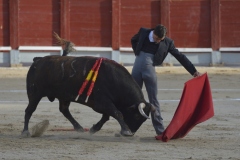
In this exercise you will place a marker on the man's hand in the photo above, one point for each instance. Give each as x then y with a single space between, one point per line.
196 74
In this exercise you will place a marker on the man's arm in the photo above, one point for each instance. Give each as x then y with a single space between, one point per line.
185 62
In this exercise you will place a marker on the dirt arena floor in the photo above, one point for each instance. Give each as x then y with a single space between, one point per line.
215 139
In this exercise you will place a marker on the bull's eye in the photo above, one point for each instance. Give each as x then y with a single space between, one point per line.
137 116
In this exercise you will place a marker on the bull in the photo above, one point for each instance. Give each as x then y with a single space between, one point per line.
115 93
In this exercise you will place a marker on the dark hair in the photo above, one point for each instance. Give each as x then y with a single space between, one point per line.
160 31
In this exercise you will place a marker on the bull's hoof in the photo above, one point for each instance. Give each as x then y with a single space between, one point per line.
117 135
126 133
80 129
25 134
92 130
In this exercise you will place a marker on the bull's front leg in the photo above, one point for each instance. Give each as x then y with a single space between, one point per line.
111 110
64 109
98 126
125 131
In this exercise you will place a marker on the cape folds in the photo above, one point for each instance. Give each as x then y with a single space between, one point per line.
195 106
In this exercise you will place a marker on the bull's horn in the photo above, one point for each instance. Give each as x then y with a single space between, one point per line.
140 108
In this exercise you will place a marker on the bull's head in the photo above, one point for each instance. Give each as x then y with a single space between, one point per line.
137 114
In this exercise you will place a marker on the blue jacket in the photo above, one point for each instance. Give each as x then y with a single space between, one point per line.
165 46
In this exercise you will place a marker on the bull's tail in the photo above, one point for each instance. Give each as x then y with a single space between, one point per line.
68 45
31 88
30 80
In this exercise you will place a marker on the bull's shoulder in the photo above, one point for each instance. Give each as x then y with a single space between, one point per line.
115 68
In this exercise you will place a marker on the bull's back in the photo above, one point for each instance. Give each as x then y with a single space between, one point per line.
58 76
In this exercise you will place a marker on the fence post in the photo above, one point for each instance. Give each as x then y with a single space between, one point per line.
13 28
215 32
165 17
64 19
116 14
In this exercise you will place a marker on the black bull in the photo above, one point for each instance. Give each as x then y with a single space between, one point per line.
115 92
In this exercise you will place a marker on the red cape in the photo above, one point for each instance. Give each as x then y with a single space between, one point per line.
194 107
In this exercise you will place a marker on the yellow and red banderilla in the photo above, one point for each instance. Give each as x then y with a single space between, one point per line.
94 70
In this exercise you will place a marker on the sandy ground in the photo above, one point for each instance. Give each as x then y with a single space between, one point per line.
217 138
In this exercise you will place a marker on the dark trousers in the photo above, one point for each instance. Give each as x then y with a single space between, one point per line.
144 71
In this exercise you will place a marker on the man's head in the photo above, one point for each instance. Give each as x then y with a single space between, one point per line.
159 33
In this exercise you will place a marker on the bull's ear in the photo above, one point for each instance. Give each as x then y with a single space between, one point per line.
150 106
132 107
153 108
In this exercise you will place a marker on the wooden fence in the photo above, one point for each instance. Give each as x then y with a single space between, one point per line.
210 24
